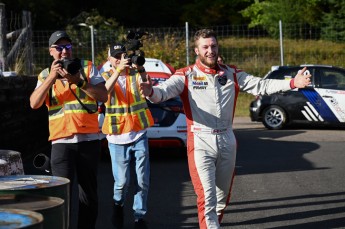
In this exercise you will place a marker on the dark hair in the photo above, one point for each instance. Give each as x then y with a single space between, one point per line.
221 57
204 33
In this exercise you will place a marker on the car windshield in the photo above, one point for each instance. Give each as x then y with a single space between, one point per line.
287 73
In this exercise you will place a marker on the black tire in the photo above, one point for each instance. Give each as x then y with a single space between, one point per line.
274 118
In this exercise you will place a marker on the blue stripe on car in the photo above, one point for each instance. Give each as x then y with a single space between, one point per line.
320 105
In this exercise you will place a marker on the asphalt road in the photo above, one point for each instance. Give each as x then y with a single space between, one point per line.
285 179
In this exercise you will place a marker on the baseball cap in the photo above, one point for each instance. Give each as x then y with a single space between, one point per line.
57 35
116 49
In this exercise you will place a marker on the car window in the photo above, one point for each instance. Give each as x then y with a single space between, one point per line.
333 79
284 73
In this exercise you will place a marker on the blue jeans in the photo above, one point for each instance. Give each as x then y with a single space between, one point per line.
121 156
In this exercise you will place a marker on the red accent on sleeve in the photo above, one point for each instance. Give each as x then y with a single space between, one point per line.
292 84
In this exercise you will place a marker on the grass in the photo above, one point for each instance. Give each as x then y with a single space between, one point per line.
242 104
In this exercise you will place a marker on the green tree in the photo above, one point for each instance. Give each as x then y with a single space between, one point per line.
333 21
108 30
267 13
46 14
52 14
212 13
139 13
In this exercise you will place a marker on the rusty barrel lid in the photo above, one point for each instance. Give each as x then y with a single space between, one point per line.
18 218
22 182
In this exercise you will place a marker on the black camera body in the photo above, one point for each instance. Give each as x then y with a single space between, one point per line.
71 65
136 58
133 45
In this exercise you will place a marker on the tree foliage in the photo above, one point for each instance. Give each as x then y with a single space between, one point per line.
217 12
268 13
108 30
52 15
334 21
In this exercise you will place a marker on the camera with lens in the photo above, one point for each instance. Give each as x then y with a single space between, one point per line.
72 66
133 45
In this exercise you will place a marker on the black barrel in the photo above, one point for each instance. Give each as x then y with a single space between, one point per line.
17 218
52 208
51 186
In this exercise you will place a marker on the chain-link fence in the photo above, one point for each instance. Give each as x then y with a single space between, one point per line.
251 49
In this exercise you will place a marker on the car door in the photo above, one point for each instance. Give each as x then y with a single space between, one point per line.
330 101
310 107
294 102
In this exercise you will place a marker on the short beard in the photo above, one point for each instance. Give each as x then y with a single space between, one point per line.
203 60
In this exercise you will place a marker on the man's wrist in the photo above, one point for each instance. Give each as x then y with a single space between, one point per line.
292 84
118 70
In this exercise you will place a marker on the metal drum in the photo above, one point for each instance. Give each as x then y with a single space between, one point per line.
51 208
51 186
17 218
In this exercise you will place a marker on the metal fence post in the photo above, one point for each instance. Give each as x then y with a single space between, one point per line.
3 46
281 43
187 44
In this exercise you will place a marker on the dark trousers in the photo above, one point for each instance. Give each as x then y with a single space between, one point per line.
80 161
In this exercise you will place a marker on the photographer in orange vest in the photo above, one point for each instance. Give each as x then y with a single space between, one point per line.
127 117
70 88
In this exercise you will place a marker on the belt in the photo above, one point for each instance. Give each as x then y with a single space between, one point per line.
198 129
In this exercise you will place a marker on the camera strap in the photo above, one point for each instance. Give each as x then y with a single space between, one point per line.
81 103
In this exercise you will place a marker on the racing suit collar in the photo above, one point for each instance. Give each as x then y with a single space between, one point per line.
207 70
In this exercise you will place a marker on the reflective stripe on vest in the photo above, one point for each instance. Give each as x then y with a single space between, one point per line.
126 113
66 115
71 107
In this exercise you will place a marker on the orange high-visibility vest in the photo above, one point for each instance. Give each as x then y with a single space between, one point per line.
126 113
66 115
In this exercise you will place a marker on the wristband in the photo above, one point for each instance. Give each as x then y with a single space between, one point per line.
151 94
292 84
141 70
118 70
81 83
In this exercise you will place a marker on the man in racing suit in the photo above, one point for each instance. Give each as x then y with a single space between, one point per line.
209 91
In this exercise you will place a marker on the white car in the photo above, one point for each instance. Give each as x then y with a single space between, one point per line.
170 128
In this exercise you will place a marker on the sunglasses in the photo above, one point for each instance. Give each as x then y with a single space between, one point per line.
59 48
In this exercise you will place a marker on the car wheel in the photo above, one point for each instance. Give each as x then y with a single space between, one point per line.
274 118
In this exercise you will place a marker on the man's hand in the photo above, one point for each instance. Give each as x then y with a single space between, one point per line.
146 87
122 64
72 79
302 79
55 68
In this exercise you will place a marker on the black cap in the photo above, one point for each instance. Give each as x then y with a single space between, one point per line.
116 49
57 36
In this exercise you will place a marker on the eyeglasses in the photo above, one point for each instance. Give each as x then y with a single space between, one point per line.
222 80
59 48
